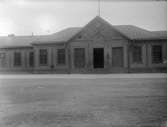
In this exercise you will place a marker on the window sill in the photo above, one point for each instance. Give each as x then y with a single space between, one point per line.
60 64
17 66
137 63
43 64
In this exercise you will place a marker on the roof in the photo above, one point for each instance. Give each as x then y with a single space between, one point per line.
161 33
59 37
129 31
19 41
10 41
136 33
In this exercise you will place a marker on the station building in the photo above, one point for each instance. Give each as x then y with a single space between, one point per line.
98 47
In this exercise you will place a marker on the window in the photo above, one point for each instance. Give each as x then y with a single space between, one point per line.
2 59
79 57
31 59
137 54
156 54
2 55
17 59
43 56
61 57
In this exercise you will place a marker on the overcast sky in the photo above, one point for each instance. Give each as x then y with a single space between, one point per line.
22 17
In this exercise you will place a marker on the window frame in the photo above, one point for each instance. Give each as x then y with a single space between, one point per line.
43 57
3 59
84 58
137 55
17 58
153 59
60 61
2 55
31 59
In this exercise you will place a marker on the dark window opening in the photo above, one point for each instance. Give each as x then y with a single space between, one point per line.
31 59
156 54
137 54
98 58
43 57
61 59
79 57
17 59
80 36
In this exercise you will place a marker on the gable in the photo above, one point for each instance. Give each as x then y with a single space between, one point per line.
98 28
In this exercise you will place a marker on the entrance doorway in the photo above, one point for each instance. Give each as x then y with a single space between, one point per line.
98 57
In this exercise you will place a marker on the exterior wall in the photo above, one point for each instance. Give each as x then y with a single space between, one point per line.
52 65
107 45
98 34
147 65
9 66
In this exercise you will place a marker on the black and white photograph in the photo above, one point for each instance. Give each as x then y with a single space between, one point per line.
83 63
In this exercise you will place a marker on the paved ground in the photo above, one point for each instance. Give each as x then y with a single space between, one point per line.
119 100
83 76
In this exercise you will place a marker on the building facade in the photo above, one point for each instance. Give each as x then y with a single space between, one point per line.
98 47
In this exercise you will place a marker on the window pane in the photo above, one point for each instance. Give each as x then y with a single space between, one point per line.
61 56
137 54
17 59
79 57
31 59
157 54
43 56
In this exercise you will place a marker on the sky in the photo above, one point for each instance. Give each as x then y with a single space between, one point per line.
24 17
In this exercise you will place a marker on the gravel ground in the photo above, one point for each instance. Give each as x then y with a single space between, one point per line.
120 100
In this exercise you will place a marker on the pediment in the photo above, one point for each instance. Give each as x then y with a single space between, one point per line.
98 29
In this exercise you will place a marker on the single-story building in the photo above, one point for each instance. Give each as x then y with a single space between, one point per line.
98 47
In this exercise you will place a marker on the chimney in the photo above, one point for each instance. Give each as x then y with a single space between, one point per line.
11 35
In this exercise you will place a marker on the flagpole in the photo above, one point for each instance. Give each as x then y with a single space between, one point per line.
98 7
